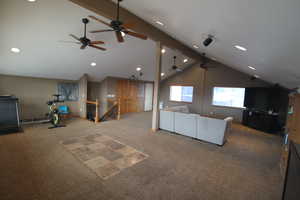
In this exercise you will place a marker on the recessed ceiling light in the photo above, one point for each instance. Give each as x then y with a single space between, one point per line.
185 60
31 0
162 74
138 69
159 23
15 50
93 64
250 67
163 51
240 48
123 34
195 46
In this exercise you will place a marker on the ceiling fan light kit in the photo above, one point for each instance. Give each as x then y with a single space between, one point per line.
175 67
120 28
205 61
84 41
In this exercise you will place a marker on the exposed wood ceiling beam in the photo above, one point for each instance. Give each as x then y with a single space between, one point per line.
107 9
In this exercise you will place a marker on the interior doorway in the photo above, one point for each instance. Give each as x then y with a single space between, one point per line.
129 92
135 96
148 97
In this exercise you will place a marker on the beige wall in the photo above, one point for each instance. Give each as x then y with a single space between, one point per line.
203 82
33 93
103 97
193 76
93 93
83 82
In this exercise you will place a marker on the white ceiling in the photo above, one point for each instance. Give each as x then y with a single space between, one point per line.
269 29
36 28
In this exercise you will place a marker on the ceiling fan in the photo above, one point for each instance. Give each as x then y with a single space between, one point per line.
118 27
205 61
175 67
84 41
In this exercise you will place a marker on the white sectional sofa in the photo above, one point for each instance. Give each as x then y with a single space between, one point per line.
167 120
193 125
185 124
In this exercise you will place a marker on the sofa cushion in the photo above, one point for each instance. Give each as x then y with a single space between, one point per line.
211 130
181 109
186 124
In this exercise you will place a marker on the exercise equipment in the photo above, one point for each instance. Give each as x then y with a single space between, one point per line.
9 115
54 114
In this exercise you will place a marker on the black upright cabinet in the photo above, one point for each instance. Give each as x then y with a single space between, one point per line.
266 108
262 121
9 115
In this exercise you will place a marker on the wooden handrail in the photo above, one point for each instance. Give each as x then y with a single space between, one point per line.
115 103
119 108
92 102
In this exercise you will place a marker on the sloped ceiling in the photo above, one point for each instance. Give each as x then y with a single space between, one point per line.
38 29
269 29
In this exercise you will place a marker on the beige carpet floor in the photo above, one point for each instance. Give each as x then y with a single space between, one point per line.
36 166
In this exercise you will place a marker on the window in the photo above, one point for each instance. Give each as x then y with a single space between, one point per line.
181 93
230 97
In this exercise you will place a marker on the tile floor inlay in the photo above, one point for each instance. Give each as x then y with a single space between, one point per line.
103 155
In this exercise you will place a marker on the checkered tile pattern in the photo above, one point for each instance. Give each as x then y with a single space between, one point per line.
102 154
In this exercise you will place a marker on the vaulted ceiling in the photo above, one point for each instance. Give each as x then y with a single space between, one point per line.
269 30
38 30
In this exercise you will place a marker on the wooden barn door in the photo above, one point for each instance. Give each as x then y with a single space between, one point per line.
131 94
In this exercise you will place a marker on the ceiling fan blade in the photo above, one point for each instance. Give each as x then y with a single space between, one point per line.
119 36
101 31
75 37
138 35
83 46
99 20
128 25
96 47
97 42
69 42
